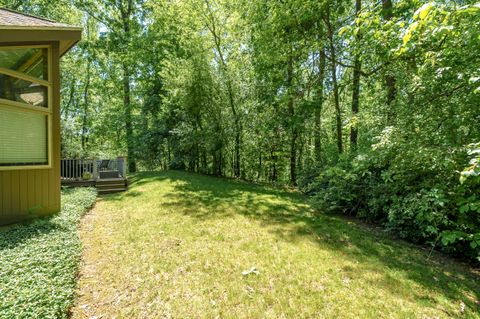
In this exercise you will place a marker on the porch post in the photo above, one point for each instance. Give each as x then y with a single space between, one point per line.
95 169
124 166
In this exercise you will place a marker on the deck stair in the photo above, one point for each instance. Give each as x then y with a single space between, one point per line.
111 185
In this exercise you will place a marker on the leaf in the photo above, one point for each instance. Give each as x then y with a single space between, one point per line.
449 237
343 30
423 11
409 32
474 79
252 270
462 307
464 208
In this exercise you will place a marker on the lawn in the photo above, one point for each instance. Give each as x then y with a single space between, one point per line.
39 261
179 245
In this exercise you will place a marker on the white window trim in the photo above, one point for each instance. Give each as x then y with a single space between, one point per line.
24 107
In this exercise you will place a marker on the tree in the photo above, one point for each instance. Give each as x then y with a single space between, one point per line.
318 110
357 65
211 21
118 17
333 65
390 81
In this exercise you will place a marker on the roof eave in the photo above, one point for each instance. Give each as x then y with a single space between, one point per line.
66 37
68 47
39 28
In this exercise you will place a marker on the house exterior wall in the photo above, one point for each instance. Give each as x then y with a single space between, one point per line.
28 193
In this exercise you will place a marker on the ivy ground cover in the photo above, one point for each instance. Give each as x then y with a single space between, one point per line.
39 261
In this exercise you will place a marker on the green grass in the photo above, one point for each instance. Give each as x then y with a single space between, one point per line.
175 246
39 261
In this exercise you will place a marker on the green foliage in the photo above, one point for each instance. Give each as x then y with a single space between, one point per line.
418 175
418 216
472 172
415 194
40 261
218 87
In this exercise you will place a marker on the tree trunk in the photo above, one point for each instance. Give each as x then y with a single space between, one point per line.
390 81
215 163
357 65
127 105
85 107
231 100
85 96
132 166
213 28
238 125
237 147
273 174
293 124
318 110
259 176
204 162
338 115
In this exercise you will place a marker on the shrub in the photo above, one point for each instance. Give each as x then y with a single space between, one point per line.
414 192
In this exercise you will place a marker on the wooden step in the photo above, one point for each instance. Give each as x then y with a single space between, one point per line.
111 190
99 184
111 185
106 189
108 174
110 180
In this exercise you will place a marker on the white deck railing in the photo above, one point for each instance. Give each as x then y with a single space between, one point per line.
93 169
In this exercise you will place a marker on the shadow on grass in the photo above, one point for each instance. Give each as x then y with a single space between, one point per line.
293 219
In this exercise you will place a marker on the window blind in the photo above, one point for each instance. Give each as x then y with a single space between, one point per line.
23 137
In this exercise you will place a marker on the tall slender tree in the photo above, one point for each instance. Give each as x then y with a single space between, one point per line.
213 25
357 65
319 108
292 119
390 80
333 67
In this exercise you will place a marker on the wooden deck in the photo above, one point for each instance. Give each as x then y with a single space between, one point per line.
107 175
104 185
78 183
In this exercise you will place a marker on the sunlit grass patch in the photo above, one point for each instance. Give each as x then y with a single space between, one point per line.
188 246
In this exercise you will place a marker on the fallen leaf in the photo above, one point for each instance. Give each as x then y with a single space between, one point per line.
462 307
252 270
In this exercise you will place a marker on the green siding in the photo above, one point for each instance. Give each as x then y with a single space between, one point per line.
35 192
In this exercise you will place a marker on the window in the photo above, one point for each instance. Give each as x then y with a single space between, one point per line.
23 138
25 110
30 61
19 90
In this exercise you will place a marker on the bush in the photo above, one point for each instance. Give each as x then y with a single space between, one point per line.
39 261
418 216
415 192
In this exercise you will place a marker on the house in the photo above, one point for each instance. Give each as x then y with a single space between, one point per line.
30 52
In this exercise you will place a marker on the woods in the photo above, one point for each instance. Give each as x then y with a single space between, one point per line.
370 107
